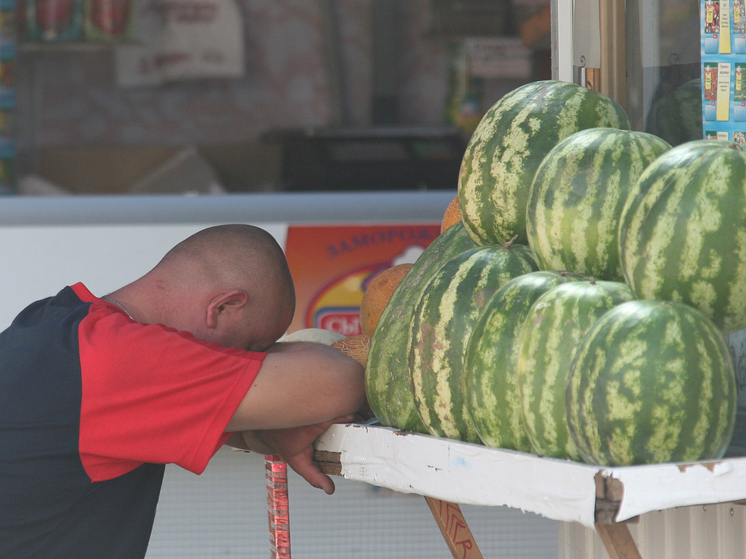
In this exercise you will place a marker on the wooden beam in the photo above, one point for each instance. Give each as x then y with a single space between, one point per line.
454 528
609 495
328 462
618 541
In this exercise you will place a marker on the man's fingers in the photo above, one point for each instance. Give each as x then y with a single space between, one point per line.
307 469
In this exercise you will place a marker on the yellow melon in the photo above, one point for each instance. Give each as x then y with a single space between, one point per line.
354 346
452 214
377 295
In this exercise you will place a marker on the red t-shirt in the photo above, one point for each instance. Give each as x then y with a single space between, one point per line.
152 394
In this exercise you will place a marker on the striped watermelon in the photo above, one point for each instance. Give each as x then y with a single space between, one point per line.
555 325
652 382
386 374
446 313
683 231
491 384
677 117
577 196
509 144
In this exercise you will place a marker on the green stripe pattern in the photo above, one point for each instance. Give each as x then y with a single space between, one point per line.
510 142
492 395
577 196
677 117
652 382
386 374
682 234
446 313
553 329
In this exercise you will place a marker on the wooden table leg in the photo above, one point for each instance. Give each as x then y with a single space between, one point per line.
618 541
454 528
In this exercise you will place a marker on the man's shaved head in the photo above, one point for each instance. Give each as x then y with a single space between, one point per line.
228 255
215 270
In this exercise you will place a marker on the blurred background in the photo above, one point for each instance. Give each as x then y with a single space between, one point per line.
114 96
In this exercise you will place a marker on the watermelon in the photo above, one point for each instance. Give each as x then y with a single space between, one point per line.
552 330
682 232
677 117
652 382
386 375
510 142
577 197
491 384
446 313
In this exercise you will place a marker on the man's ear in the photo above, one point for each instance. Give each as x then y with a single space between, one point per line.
225 303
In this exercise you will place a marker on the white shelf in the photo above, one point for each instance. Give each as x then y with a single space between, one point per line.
561 490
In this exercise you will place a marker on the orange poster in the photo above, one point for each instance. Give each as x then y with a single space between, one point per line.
331 265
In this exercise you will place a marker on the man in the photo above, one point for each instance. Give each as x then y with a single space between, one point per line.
97 394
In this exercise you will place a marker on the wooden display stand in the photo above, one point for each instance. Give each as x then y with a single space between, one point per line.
447 472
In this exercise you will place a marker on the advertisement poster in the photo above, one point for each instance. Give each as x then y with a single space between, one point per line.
723 30
331 265
181 39
723 48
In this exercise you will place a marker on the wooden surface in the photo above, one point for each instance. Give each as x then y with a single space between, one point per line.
454 528
618 541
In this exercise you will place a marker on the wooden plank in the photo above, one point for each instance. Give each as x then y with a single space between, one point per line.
328 462
609 495
454 528
618 541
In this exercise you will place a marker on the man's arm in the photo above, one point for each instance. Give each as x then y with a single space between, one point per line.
301 384
248 440
301 390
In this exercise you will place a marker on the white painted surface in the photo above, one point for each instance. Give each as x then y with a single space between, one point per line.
562 39
665 486
560 490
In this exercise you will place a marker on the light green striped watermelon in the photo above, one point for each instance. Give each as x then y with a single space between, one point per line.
682 233
554 327
386 374
446 313
577 196
492 396
652 382
677 117
510 142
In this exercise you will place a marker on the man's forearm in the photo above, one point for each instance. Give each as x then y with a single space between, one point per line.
249 440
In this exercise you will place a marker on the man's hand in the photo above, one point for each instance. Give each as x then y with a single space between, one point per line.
295 446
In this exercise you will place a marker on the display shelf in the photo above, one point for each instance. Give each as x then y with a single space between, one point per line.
448 472
561 490
67 47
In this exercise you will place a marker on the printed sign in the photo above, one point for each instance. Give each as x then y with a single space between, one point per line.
723 50
331 265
